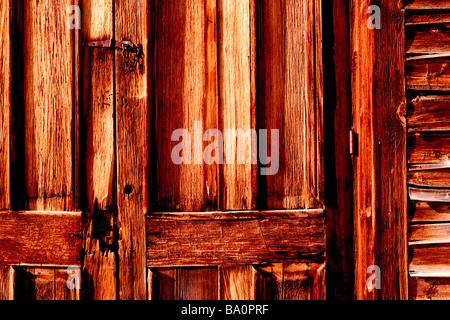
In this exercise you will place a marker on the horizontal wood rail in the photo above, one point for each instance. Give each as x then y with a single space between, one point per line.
38 238
223 238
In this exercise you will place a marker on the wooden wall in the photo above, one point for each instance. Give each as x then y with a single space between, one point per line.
427 75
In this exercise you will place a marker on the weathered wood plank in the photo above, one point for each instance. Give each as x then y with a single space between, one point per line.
426 17
379 110
50 107
429 261
197 284
429 113
429 74
429 234
236 282
99 152
290 102
132 21
425 39
224 242
236 105
6 104
426 4
429 288
40 238
430 212
184 96
430 178
432 149
429 195
7 278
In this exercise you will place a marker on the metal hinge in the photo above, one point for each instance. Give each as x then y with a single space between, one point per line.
132 53
353 137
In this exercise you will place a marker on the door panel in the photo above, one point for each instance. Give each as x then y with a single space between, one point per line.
90 140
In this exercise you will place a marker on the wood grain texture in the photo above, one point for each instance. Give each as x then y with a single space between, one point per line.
429 212
426 17
429 113
429 74
40 238
429 195
98 151
429 289
6 104
236 105
176 242
379 120
429 234
290 282
434 38
7 277
184 96
132 111
430 178
290 101
236 283
429 261
426 4
50 155
431 149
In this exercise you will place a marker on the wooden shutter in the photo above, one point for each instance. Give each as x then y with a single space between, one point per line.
427 74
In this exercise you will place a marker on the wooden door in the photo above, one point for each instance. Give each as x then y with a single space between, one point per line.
89 190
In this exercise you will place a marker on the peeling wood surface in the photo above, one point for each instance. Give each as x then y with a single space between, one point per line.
40 238
429 234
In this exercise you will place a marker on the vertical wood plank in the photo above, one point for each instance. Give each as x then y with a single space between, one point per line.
236 282
50 106
197 284
98 149
378 86
290 102
338 171
132 109
184 97
6 105
236 104
7 276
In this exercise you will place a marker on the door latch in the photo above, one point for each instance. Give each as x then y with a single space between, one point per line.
132 53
